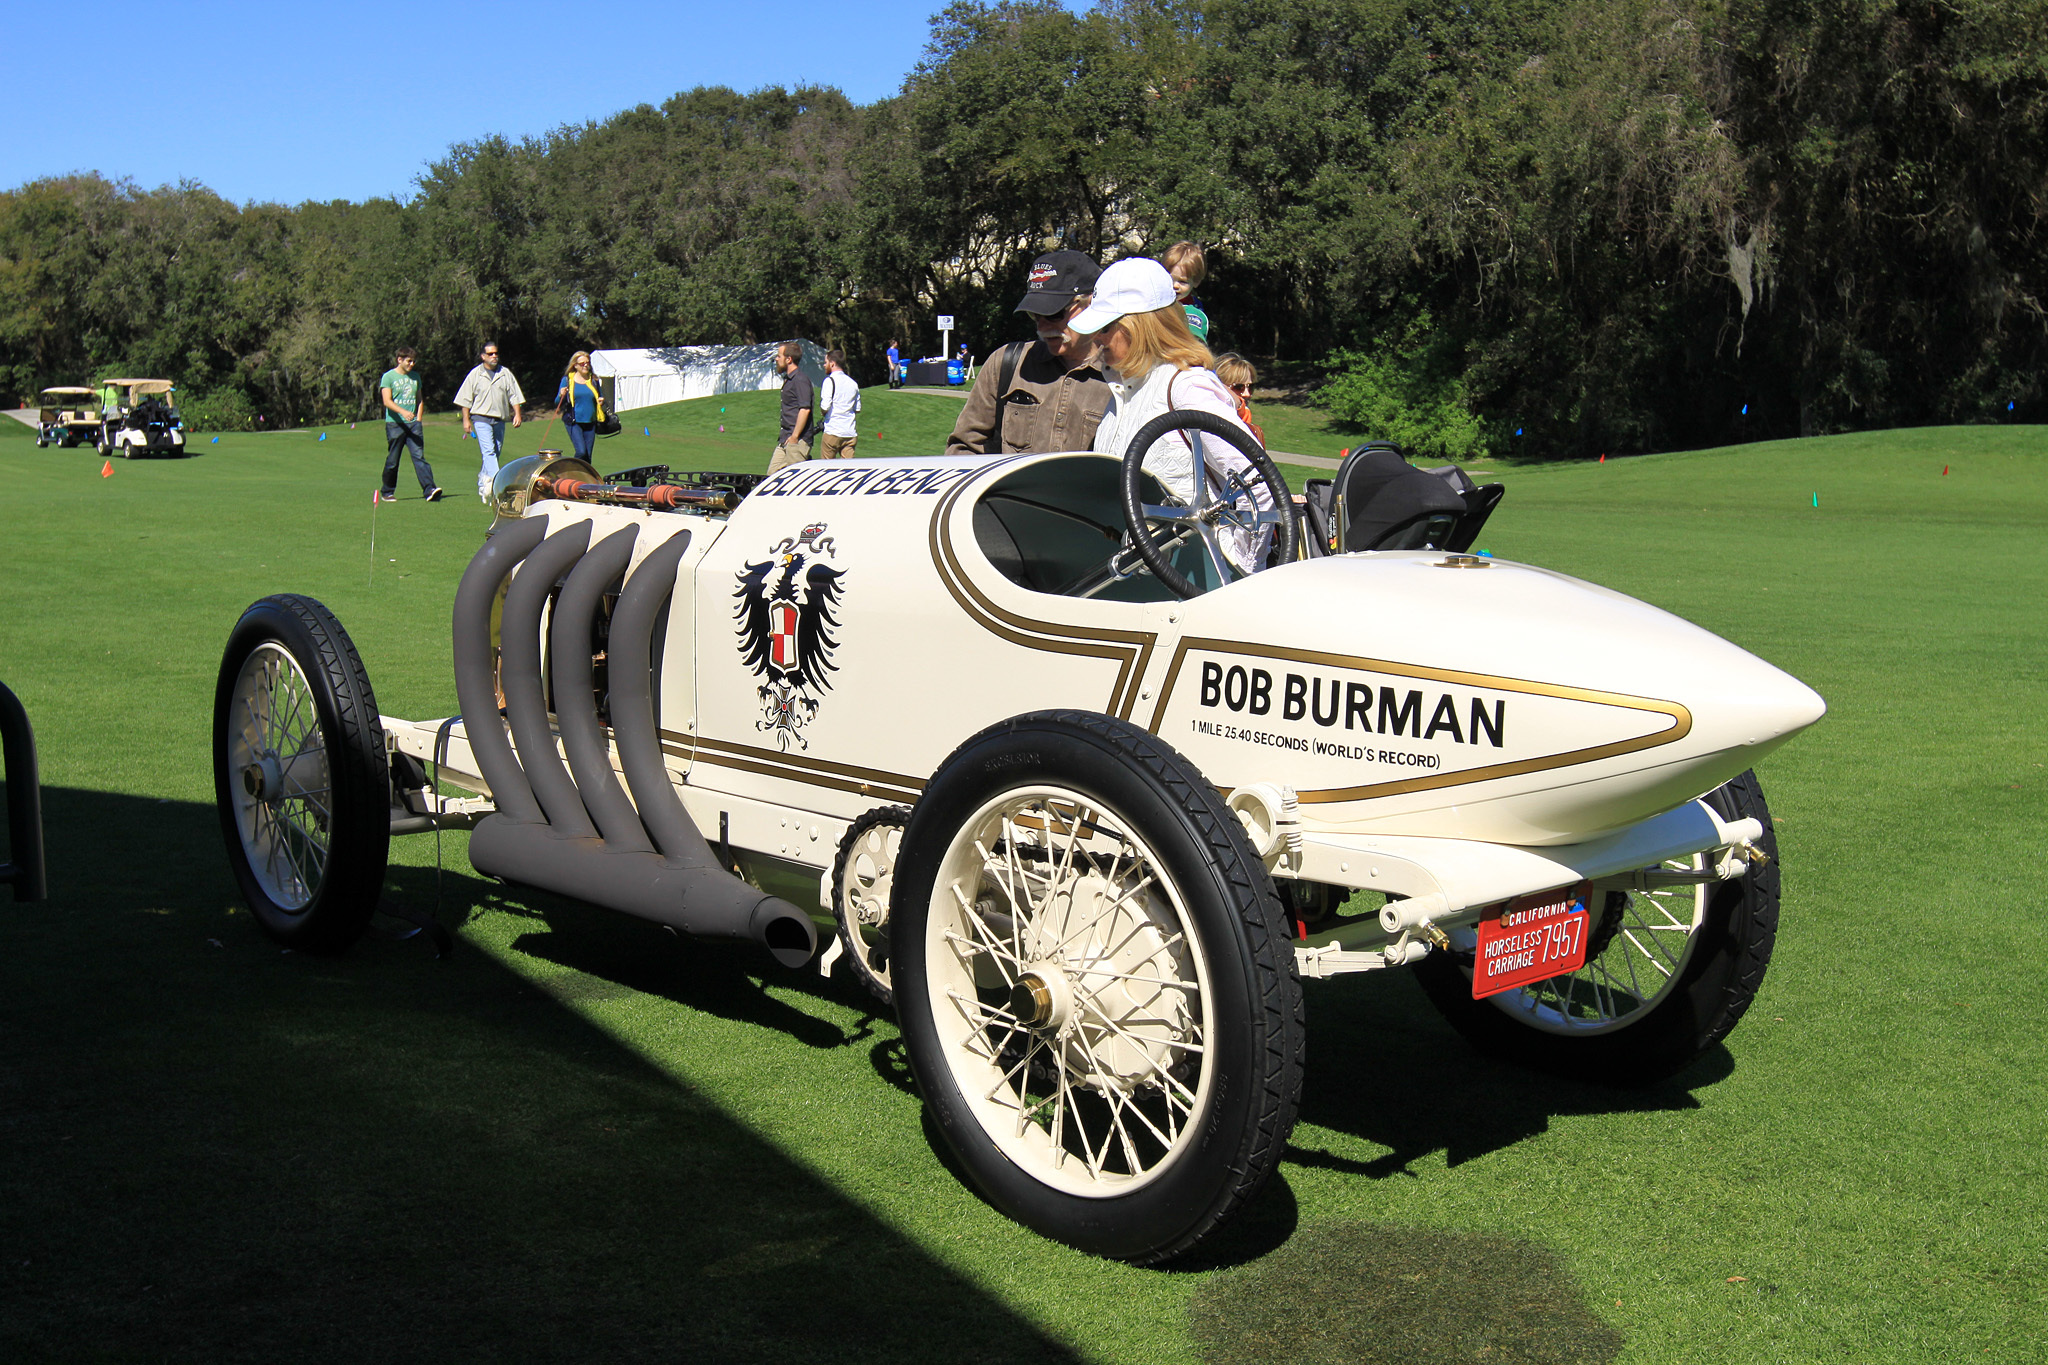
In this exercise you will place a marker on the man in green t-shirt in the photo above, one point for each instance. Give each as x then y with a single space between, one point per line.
399 391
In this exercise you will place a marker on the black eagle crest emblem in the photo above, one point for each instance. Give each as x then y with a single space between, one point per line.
784 615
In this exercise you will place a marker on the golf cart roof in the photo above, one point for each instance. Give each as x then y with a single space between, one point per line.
65 390
144 385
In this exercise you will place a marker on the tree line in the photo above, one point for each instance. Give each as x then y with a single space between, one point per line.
1546 227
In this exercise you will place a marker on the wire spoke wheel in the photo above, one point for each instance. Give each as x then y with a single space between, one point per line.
283 794
300 775
1071 998
863 880
1095 984
1668 974
1636 956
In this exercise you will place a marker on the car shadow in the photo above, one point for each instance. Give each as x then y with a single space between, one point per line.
1384 1067
730 980
217 1150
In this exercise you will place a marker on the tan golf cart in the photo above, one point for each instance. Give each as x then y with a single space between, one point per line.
69 417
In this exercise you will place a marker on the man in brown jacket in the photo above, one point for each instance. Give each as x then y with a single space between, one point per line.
1031 397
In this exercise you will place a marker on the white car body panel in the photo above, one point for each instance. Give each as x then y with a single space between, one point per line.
1441 718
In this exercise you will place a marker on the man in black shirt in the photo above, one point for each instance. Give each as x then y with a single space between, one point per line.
798 402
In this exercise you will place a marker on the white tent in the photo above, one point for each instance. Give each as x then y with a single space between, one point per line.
669 374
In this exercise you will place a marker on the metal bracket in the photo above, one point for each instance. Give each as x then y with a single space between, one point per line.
1316 964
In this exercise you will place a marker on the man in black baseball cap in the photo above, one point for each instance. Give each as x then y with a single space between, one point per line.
1045 395
1058 278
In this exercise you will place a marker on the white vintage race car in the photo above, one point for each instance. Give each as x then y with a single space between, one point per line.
1087 803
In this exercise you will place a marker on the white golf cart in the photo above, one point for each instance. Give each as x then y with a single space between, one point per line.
1085 803
140 418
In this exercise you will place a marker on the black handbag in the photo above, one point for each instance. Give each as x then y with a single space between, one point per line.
607 424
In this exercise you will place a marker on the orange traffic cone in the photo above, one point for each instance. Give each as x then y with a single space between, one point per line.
107 470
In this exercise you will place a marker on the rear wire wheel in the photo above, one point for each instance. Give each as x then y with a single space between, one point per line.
300 777
1096 985
1668 973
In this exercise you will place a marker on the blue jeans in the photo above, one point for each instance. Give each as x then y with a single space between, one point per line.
490 440
582 438
406 437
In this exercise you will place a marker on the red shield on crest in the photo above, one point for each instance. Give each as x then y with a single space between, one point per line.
782 639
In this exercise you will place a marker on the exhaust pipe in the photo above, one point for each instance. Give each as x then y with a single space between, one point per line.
578 835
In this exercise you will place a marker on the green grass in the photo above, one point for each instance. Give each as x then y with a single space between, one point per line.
578 1139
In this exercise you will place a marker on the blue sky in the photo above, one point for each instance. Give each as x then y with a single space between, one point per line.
290 102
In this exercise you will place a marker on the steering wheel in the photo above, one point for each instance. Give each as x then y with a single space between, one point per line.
1212 507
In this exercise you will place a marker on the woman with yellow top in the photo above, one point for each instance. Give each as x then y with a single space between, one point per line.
579 406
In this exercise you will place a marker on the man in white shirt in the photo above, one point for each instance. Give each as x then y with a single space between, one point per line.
839 400
488 397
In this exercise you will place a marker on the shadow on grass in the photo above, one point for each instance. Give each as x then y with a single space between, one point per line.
1376 1295
609 952
1385 1067
213 1150
729 980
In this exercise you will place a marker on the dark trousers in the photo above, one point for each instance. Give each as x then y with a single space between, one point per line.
406 438
582 438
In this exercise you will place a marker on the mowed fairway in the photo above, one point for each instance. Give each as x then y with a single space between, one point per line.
580 1139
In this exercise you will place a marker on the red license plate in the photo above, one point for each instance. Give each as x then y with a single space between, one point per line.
1531 939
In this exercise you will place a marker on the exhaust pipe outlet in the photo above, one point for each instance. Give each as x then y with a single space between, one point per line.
703 902
575 691
525 704
550 841
476 688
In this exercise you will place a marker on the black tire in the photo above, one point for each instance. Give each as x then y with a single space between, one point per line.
1285 531
1620 1033
863 875
294 717
1173 1009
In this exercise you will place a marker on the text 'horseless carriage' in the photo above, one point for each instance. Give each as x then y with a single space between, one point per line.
1085 803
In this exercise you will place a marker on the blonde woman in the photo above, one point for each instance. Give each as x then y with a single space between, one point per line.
578 405
1238 376
1162 368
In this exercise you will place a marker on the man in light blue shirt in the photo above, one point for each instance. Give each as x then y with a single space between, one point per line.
488 397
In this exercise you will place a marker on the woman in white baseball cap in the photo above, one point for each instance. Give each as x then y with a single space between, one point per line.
1162 368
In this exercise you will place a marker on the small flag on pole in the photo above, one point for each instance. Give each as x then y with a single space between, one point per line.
107 470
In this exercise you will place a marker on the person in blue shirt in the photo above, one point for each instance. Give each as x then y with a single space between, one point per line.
579 405
894 382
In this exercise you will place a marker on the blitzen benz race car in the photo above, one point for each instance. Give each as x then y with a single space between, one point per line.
1020 746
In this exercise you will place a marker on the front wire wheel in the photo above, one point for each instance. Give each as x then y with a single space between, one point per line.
1668 973
301 779
1076 1012
1095 984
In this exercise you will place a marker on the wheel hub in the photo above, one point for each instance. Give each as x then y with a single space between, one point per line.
1043 999
263 780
